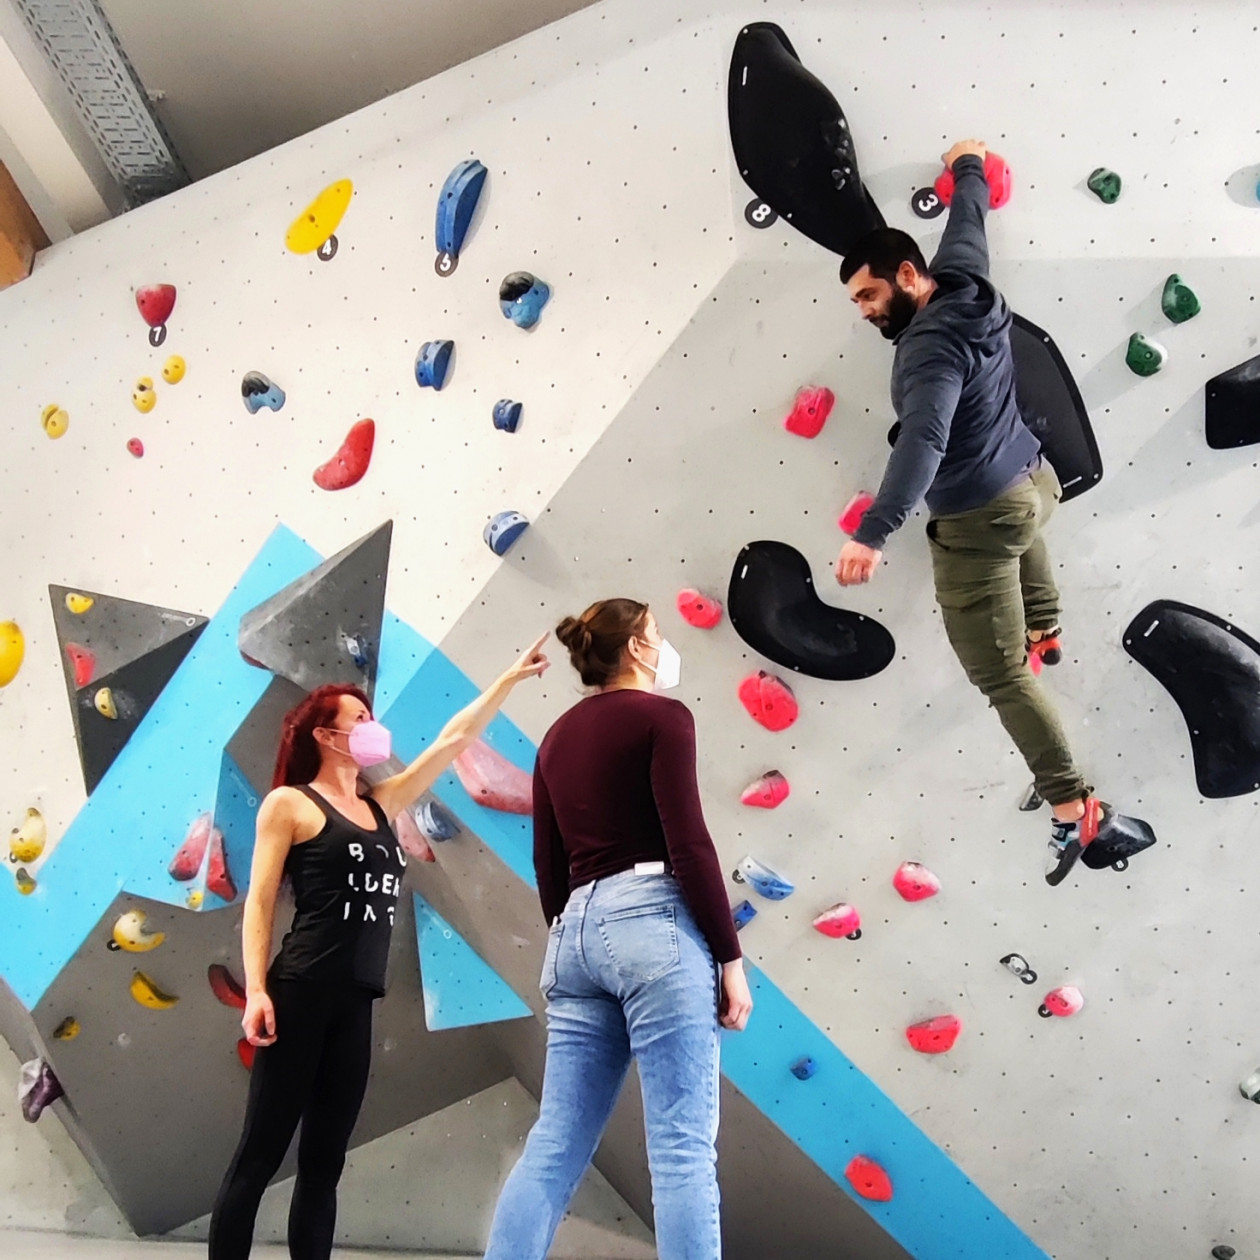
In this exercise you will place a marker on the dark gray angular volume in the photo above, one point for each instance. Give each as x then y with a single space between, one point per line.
1231 407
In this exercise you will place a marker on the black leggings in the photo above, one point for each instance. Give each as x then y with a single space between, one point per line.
316 1072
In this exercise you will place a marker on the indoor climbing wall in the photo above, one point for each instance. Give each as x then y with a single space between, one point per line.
648 451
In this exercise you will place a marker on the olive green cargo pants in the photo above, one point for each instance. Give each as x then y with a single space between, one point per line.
994 582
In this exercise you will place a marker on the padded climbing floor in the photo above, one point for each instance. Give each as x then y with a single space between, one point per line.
1053 409
792 142
776 610
1212 671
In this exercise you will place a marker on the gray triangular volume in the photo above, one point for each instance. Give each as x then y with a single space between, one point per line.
326 626
133 688
111 632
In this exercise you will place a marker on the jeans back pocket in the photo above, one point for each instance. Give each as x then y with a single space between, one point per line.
642 943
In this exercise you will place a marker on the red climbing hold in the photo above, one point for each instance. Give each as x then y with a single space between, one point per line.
934 1036
768 792
852 515
412 838
135 447
218 878
493 781
187 861
769 700
869 1179
699 610
915 882
810 411
996 172
155 303
225 986
351 461
246 1053
83 661
841 921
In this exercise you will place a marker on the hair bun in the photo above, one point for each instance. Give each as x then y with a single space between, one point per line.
575 634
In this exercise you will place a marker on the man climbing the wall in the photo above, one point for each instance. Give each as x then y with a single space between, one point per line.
962 444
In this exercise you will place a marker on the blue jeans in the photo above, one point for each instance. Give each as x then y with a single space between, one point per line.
626 974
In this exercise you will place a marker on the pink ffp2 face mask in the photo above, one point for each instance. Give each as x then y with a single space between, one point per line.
370 743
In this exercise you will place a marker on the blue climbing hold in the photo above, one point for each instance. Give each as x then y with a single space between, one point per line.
507 415
433 362
804 1068
522 297
456 206
258 392
503 530
764 881
436 822
743 914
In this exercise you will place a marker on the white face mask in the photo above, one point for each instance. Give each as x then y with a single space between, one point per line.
668 670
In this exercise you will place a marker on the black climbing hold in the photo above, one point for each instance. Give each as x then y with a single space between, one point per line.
1017 964
776 610
792 142
1231 408
1119 839
1223 1252
1032 800
1212 671
1052 407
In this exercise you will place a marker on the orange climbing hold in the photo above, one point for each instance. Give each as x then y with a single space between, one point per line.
493 781
769 701
347 467
934 1036
699 610
768 792
868 1179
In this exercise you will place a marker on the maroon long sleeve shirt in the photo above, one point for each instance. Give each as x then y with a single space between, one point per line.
614 785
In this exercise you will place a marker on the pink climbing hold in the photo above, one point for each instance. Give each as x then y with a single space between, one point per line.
699 610
187 861
412 838
810 411
83 662
934 1036
135 447
218 877
768 792
869 1179
915 882
996 171
493 781
1062 1002
841 921
852 515
769 701
1035 663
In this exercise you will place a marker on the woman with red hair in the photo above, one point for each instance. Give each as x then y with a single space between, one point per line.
310 1012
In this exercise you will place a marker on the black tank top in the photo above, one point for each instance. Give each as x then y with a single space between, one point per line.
346 882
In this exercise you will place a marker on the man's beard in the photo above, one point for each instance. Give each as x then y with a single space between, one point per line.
902 308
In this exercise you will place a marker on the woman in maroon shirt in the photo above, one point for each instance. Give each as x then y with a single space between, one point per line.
642 958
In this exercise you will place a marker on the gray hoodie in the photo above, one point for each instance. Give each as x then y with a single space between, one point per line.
962 440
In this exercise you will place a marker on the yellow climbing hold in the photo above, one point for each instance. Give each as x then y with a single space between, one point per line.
25 881
68 1029
78 604
130 933
194 899
173 369
104 701
144 395
27 842
12 650
148 994
312 228
55 420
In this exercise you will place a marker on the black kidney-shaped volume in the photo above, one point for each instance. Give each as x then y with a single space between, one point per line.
1231 407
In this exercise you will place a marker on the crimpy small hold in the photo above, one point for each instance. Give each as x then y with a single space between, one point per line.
743 914
804 1068
503 530
1104 184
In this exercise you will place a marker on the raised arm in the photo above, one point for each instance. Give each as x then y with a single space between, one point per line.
400 791
964 246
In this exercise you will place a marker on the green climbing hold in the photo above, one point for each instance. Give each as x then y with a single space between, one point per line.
1145 357
1105 183
1179 301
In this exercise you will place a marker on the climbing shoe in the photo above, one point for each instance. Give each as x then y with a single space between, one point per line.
1048 647
1069 840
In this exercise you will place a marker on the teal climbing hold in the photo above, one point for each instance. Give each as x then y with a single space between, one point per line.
1178 300
1104 184
1144 356
460 988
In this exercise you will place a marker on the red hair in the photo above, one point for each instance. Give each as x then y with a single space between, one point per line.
298 758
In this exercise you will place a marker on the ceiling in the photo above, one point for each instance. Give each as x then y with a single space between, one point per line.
238 77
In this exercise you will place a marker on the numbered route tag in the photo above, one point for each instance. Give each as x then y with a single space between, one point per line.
926 203
759 214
